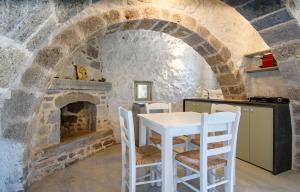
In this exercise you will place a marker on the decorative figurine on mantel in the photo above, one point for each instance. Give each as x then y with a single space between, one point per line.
81 72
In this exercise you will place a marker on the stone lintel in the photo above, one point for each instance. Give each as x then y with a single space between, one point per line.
69 84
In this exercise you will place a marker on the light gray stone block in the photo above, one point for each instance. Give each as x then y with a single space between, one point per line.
16 131
54 117
36 76
11 61
21 104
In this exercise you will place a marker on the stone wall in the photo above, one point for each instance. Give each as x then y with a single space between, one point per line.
277 21
11 166
46 133
176 70
54 158
59 27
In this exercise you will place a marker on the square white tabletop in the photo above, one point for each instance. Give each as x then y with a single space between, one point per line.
172 120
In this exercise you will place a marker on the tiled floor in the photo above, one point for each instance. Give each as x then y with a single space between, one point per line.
101 173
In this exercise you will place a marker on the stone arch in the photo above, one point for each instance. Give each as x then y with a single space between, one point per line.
281 31
172 22
66 99
108 15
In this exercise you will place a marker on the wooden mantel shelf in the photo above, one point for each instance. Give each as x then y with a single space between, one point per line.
69 84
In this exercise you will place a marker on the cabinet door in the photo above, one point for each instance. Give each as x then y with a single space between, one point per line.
200 107
261 137
243 142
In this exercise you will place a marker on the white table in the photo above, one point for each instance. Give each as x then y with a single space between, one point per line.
168 125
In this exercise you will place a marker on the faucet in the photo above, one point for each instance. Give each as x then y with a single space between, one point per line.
208 96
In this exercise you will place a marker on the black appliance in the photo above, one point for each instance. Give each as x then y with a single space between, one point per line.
279 100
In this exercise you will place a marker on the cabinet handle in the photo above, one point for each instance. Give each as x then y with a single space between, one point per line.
251 110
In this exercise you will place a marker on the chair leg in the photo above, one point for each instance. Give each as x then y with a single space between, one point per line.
187 148
152 176
234 170
132 180
211 176
142 172
123 186
175 175
158 176
229 176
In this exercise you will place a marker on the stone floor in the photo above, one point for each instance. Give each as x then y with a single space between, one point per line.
101 173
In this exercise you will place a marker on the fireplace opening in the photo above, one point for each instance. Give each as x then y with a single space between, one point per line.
77 119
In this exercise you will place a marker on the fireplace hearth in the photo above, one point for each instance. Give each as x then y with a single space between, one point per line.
77 119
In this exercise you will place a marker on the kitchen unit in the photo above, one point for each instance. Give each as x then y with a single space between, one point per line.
265 133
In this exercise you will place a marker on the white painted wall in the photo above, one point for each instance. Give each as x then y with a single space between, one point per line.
177 70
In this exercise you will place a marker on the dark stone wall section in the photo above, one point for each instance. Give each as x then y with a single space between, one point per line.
273 19
235 3
257 8
285 33
282 33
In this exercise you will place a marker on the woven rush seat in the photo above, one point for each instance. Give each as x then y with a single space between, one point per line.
147 154
156 139
210 145
192 159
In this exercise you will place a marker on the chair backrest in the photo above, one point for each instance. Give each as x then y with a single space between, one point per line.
222 108
127 133
227 123
158 107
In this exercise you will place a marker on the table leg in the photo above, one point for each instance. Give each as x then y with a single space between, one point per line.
167 163
143 133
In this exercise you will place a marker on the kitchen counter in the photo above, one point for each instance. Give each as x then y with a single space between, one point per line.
264 135
237 102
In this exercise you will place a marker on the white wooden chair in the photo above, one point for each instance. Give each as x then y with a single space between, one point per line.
145 156
196 141
200 162
214 109
156 138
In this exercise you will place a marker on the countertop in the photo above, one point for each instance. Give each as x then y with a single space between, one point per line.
238 102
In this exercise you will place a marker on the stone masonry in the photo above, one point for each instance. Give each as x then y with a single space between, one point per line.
38 35
274 20
48 129
54 158
47 132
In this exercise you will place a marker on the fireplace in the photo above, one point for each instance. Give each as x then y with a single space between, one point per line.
77 119
72 125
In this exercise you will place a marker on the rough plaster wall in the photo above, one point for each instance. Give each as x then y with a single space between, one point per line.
265 84
177 71
224 22
294 8
10 166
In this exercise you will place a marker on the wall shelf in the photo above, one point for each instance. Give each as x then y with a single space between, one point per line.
258 53
69 84
252 62
261 69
